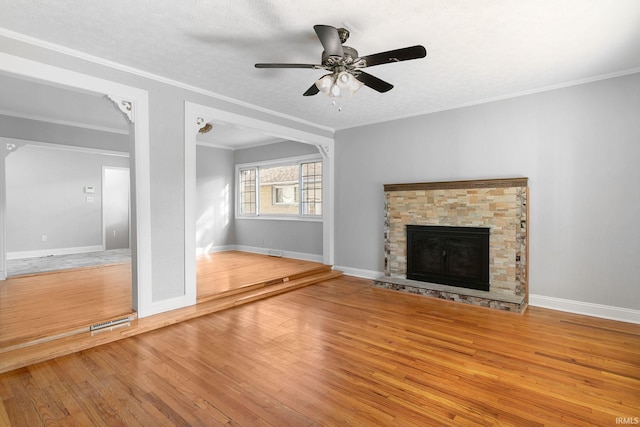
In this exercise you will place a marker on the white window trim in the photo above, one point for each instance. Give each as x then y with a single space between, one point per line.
238 198
298 160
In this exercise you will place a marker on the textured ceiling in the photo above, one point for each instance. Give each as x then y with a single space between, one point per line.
478 50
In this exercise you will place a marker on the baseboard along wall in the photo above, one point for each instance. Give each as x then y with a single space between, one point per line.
54 251
571 306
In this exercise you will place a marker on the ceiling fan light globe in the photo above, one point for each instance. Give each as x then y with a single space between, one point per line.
348 83
355 85
335 91
324 84
344 79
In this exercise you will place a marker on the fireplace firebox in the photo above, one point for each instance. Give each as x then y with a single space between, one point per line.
457 256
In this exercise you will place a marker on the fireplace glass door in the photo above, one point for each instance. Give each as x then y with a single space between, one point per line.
457 256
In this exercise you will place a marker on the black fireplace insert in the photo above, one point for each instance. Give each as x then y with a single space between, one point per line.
457 256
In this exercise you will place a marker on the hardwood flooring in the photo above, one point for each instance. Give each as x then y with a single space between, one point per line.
47 315
233 271
341 352
41 306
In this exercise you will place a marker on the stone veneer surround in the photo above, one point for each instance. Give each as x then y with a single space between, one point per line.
499 204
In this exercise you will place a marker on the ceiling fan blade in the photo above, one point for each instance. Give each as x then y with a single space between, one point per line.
313 90
330 40
374 82
397 55
313 66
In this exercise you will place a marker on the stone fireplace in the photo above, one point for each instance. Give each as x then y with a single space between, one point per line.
498 206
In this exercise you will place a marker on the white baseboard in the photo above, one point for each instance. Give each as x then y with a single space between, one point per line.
571 306
277 252
586 308
214 249
54 251
358 272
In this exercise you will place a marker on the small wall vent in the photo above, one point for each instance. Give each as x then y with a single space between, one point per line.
110 324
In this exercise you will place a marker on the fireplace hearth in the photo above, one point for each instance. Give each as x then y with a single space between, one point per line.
457 256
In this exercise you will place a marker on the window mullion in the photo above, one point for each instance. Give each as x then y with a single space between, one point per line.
257 191
300 195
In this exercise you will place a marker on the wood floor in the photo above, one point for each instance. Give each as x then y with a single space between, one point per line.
41 306
52 314
232 271
343 353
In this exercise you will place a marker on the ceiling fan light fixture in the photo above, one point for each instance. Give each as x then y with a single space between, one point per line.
338 84
335 91
324 84
348 83
344 79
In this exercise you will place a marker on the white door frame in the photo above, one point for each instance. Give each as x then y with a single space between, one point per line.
195 117
137 101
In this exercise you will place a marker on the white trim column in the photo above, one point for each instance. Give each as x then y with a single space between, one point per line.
194 120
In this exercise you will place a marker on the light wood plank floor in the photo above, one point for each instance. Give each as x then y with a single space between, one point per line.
37 306
343 353
40 306
223 272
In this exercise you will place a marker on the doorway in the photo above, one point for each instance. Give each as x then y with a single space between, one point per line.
131 98
196 116
116 208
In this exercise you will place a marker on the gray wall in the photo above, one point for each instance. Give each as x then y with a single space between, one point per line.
287 235
33 130
45 196
580 147
215 198
275 151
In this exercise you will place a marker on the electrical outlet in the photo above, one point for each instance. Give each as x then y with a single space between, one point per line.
44 237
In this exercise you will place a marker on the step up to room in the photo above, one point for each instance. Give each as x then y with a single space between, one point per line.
316 272
104 325
113 329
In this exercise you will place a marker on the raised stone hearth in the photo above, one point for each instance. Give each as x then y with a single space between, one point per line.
497 204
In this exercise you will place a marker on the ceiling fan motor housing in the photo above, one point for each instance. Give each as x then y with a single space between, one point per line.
350 54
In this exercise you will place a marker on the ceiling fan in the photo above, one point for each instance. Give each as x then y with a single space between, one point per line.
345 66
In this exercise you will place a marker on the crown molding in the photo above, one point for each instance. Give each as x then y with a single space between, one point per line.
504 97
151 76
63 122
63 147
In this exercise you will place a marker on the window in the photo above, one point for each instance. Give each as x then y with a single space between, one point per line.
247 192
282 189
311 188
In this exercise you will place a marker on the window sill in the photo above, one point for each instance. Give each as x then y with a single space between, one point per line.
282 218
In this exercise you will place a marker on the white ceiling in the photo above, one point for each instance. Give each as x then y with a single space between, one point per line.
478 50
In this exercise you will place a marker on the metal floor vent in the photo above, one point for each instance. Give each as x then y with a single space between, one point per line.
109 324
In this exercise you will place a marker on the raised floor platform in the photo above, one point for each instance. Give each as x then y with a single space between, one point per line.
497 300
230 285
